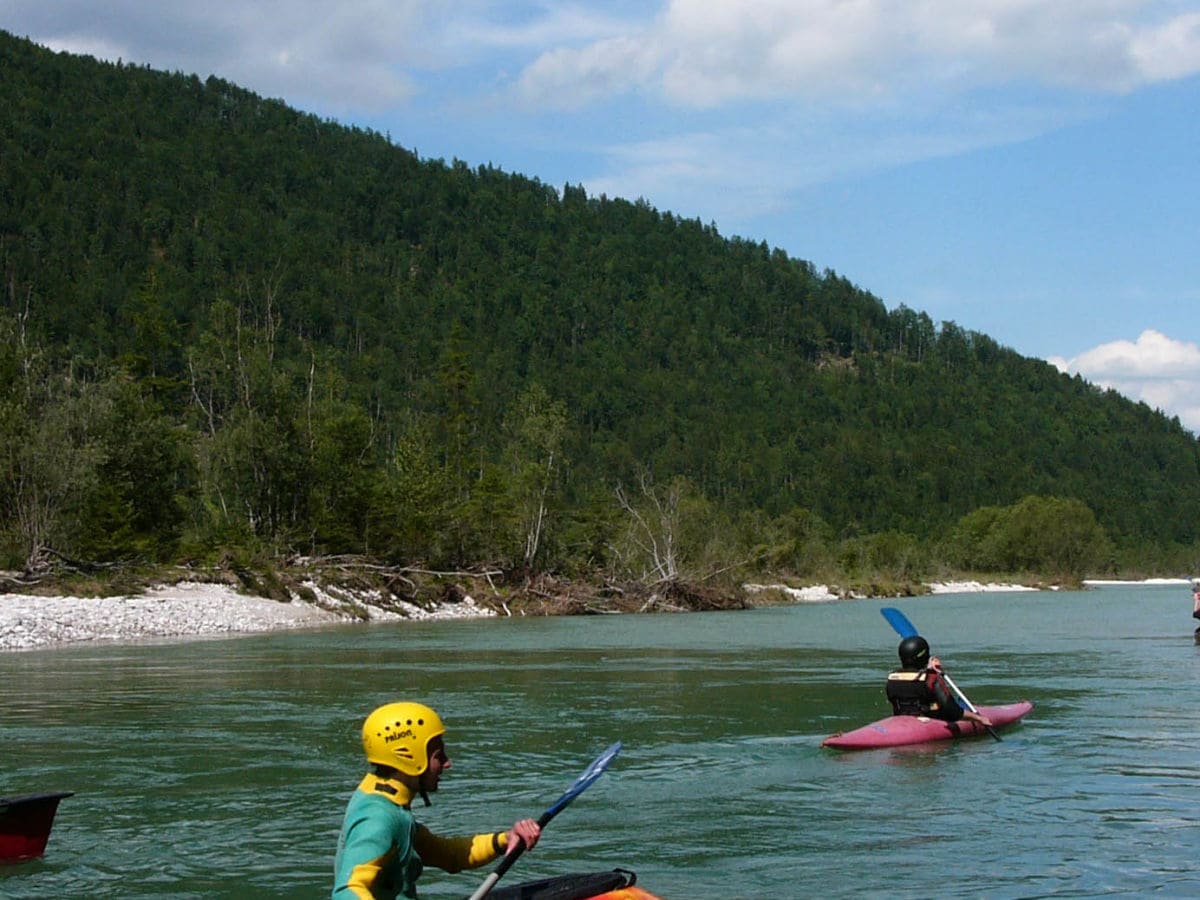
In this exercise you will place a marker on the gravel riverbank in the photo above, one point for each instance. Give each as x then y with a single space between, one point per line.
190 610
187 610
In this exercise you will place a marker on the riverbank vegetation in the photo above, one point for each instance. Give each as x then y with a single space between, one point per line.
233 335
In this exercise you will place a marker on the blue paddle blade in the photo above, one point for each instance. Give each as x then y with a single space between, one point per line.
899 621
590 774
594 771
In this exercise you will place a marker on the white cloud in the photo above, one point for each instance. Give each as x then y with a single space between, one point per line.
691 54
704 53
1162 372
550 26
349 56
568 80
1170 51
733 171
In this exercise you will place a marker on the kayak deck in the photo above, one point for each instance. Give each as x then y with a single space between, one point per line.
619 884
898 731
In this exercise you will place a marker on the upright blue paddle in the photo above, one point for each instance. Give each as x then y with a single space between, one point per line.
903 627
899 621
582 783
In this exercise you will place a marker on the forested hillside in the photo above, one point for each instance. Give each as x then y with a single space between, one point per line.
231 327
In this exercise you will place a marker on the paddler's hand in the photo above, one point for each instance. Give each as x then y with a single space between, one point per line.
527 831
935 664
981 719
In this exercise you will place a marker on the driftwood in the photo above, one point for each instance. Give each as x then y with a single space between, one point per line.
549 596
46 562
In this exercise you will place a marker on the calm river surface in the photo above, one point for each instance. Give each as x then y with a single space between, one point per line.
221 768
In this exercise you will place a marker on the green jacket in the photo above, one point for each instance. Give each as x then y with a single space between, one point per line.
383 849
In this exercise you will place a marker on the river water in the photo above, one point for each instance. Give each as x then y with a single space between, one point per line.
221 768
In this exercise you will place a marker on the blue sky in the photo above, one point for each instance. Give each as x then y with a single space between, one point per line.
1029 169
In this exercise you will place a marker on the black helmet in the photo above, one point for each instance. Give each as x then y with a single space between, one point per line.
914 652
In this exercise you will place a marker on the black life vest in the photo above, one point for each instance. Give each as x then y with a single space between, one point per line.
910 693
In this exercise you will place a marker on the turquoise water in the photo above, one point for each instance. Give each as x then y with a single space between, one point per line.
221 768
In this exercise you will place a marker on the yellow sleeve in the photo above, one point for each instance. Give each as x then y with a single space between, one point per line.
456 854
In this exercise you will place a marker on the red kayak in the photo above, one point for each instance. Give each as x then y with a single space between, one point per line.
897 731
25 824
619 884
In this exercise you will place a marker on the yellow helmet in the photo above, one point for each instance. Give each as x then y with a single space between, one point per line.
398 735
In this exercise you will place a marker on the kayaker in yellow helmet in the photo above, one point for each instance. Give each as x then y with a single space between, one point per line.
382 848
918 688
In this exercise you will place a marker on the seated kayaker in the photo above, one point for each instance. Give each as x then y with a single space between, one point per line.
918 688
382 848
